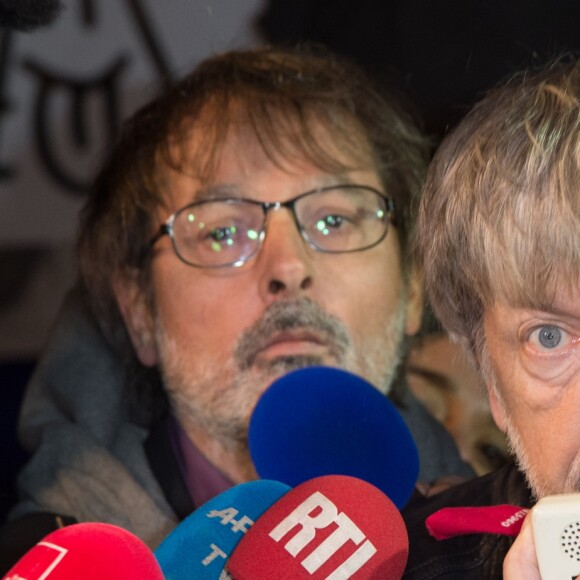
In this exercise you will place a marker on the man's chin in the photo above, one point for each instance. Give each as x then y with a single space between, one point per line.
240 398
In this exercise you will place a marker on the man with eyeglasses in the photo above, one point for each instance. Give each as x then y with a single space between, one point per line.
217 232
253 220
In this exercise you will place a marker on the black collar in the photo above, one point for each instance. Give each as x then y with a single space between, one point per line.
165 468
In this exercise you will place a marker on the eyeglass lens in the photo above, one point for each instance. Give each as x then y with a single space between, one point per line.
222 232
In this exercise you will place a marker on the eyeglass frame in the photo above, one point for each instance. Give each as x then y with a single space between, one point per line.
166 228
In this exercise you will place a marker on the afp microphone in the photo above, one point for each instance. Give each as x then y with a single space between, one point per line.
332 527
201 544
325 421
87 551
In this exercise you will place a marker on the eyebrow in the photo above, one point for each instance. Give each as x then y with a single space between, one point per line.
217 191
229 190
555 310
439 380
563 312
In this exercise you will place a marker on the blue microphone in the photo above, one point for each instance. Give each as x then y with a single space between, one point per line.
200 545
325 421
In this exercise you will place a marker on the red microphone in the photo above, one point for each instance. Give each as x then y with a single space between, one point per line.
91 551
330 527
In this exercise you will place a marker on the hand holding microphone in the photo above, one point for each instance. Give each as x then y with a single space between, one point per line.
521 562
548 547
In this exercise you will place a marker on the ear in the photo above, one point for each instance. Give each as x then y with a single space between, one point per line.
137 315
415 295
497 408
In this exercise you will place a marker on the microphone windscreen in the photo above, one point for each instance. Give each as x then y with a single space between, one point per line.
325 421
332 527
91 551
200 546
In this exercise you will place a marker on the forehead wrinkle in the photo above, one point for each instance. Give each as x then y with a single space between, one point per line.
303 184
332 151
200 157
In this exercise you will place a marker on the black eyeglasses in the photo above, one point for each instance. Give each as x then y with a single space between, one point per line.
217 233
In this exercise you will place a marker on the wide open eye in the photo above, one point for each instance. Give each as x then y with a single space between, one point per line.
551 352
549 337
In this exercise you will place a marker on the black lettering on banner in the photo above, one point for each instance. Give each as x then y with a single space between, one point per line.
79 89
79 92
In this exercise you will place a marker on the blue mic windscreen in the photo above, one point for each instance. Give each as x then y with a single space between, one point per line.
201 544
324 421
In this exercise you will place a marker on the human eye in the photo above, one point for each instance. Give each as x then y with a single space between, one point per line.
228 233
333 221
225 234
335 215
551 351
551 340
215 228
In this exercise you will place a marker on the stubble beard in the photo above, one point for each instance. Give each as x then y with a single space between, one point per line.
539 485
217 396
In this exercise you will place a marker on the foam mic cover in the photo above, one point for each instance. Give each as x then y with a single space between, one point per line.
328 528
200 545
91 551
324 421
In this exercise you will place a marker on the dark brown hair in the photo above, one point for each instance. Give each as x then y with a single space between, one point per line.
284 96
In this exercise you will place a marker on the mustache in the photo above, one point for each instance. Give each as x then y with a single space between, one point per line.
287 315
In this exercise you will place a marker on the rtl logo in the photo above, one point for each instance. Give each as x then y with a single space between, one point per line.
308 525
329 528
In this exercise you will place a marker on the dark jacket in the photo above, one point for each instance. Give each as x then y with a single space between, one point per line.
469 557
20 535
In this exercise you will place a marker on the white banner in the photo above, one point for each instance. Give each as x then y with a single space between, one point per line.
65 88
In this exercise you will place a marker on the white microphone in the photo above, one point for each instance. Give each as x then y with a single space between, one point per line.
556 528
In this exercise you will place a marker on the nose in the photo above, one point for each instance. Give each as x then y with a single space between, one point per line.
284 261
